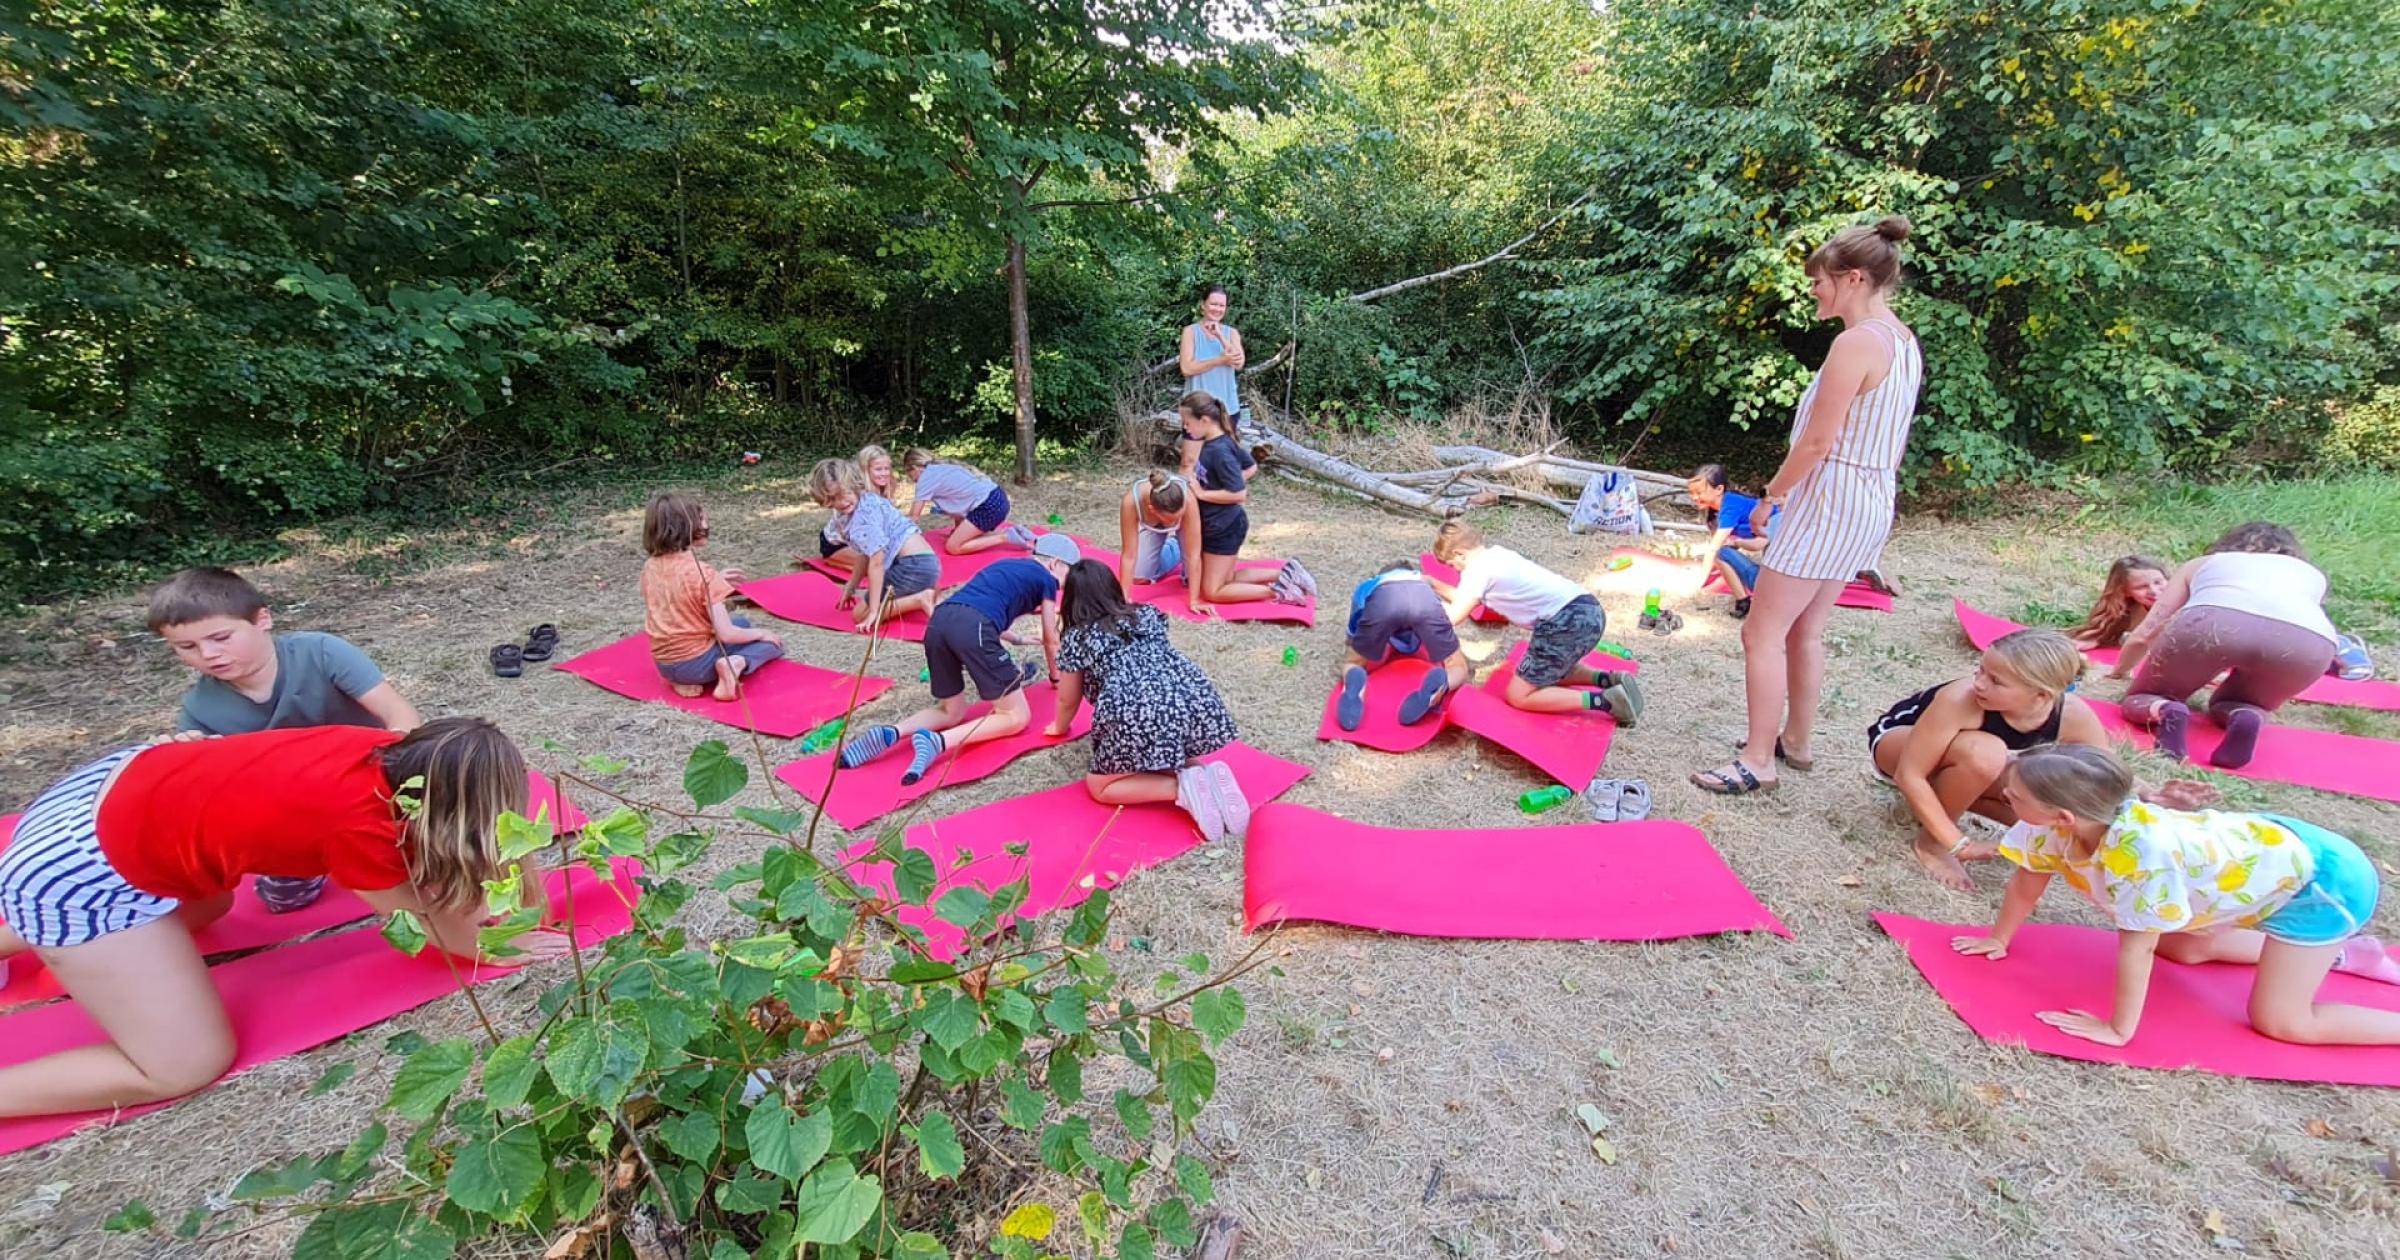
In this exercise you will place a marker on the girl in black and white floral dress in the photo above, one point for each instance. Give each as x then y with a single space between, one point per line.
1154 714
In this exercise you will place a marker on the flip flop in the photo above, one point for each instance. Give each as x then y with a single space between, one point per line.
1802 764
1876 581
1667 622
1633 800
508 661
1715 783
541 642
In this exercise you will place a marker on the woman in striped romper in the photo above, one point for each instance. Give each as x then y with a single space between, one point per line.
1835 490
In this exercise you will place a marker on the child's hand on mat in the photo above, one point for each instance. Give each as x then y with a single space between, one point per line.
1979 947
2184 794
2083 1024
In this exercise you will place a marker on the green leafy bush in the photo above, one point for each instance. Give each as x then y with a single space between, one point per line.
2368 432
818 1079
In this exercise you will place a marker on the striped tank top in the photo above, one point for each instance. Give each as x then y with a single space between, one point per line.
1836 520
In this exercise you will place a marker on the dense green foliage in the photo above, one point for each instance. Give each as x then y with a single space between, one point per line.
270 259
822 1085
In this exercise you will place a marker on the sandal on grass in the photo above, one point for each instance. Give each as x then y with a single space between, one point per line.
508 661
541 642
1802 764
1740 782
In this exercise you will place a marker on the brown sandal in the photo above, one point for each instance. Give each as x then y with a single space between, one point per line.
1717 783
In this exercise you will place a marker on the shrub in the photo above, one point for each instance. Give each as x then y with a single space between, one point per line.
2368 433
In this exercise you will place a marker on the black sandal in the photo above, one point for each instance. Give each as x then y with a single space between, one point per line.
508 661
1715 783
1802 764
541 642
1876 582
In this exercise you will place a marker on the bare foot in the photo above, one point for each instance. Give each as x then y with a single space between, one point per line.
690 691
729 678
1978 851
1942 865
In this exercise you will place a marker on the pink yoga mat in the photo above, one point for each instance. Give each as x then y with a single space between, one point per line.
1448 576
2196 1017
1569 747
873 790
1982 629
2352 765
1387 685
810 598
249 924
1641 881
1074 843
283 1001
1173 598
784 699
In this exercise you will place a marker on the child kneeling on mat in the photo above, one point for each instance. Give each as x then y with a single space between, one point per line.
1734 548
2132 587
1567 623
1154 714
693 637
2194 886
975 504
1220 475
896 564
962 640
1393 614
1159 528
115 866
1947 747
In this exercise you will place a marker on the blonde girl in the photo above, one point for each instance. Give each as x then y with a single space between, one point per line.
2133 585
1158 525
1835 493
1947 747
876 464
2194 886
115 866
897 565
694 638
976 504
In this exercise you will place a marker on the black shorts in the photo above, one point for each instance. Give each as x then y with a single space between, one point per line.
826 547
992 513
1561 641
961 642
909 574
1404 607
1223 533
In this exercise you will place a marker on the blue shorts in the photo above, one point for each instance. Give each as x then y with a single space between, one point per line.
2336 903
701 670
992 513
1743 564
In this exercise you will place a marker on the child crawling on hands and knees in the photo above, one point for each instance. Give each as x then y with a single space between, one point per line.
2196 886
1393 614
1567 624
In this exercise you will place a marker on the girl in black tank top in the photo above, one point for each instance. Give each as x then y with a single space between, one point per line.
1994 724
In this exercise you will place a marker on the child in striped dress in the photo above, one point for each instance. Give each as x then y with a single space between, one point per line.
1834 493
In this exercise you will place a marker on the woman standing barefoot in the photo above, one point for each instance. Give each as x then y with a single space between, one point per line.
1836 490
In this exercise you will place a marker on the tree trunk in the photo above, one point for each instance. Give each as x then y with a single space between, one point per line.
1020 354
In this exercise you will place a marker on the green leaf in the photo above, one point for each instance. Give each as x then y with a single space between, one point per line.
918 1246
785 1144
509 1072
1135 1243
693 1135
962 906
406 932
133 1218
496 1175
1192 1176
1066 1076
1020 1107
782 822
292 1177
950 1019
1066 1011
913 877
362 1151
835 1203
426 1082
748 1196
1218 1013
1173 1221
1092 1211
1191 1081
519 836
714 776
1134 1113
938 1149
334 1078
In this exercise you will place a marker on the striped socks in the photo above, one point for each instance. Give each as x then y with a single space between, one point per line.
927 746
874 742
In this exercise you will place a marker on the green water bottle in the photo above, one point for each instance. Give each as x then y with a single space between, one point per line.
823 737
1650 603
925 675
1545 798
1291 656
1056 520
1613 649
1618 564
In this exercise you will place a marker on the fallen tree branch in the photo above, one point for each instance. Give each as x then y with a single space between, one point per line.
1270 363
1506 251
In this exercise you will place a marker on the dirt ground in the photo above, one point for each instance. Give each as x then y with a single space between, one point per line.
1391 1097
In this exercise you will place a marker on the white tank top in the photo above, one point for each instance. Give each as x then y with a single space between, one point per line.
2283 588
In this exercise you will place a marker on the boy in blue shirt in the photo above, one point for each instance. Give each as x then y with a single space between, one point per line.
1733 548
254 680
962 641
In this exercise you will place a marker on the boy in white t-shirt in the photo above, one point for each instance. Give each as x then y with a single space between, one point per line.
1567 623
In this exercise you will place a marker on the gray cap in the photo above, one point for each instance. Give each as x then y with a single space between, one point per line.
1057 547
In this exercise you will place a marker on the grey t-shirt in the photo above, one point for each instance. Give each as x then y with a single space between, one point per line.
318 680
953 490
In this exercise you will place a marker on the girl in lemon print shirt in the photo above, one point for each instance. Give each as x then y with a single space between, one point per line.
2196 886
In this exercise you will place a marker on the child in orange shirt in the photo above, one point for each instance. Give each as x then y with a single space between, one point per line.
692 636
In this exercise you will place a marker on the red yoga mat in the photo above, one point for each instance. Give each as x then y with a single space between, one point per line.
1569 747
1074 844
1174 598
784 699
1387 685
2196 1017
2351 765
249 924
1448 576
873 790
283 1001
1639 881
1982 629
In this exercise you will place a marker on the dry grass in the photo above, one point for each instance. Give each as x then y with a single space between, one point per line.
1771 1098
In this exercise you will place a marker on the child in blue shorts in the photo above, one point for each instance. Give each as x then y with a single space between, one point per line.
976 505
1393 614
1734 548
251 679
2194 886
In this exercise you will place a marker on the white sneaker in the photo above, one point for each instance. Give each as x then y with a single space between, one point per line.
1300 577
1198 797
1231 804
1020 535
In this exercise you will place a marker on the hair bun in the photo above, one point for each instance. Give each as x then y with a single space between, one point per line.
1894 228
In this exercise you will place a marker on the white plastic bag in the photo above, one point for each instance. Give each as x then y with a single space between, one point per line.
1611 503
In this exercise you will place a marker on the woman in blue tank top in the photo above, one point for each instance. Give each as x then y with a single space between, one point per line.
1212 354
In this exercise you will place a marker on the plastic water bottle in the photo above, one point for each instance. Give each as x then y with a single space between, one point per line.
1545 798
1056 520
1291 656
1613 649
1650 603
1618 564
925 675
823 737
